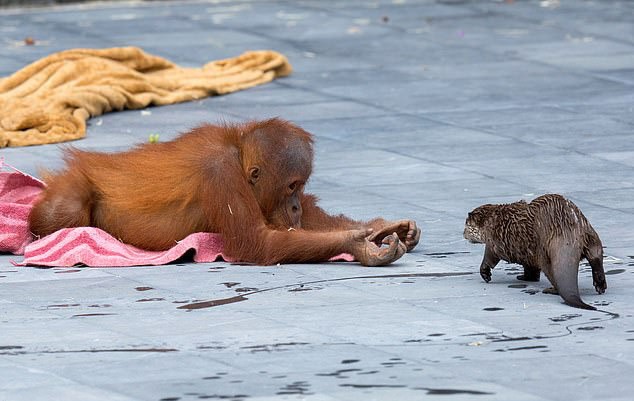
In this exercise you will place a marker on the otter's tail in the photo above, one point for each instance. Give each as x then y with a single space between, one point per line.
565 271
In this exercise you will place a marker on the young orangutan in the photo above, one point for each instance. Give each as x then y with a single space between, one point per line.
244 181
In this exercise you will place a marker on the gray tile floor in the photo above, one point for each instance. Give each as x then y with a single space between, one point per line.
421 109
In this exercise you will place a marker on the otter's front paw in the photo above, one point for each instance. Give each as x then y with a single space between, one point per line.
599 282
485 273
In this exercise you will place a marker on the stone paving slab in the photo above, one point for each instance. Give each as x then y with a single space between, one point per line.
420 109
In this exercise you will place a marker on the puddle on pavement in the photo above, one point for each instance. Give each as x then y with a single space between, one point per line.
363 386
59 306
303 287
213 347
232 397
93 314
13 350
442 255
272 347
251 291
340 374
528 347
451 391
505 339
212 303
590 328
150 299
295 388
564 317
393 362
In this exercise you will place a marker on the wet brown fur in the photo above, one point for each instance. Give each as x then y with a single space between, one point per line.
549 234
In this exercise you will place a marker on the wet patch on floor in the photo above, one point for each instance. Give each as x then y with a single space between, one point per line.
272 347
230 397
565 317
450 391
590 328
393 362
212 303
295 388
19 350
418 340
528 347
246 289
61 306
442 255
92 314
368 386
340 373
303 287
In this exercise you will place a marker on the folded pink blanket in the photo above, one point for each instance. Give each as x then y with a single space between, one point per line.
84 245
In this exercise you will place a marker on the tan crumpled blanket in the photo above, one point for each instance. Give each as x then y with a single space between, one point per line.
50 100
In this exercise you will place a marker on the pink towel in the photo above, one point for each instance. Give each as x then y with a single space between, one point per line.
18 191
84 245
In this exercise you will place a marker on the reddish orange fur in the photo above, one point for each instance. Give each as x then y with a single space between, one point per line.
244 181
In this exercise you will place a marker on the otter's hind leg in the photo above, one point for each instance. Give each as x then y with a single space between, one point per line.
530 274
66 202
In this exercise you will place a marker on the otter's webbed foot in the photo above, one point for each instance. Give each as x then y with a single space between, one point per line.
530 274
551 290
485 273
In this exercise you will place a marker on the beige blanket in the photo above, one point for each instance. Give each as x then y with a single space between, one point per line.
50 100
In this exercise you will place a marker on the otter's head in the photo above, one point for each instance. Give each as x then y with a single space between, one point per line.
475 230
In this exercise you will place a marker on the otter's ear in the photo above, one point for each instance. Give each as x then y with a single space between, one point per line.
254 174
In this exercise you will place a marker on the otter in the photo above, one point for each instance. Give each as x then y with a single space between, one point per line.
549 234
